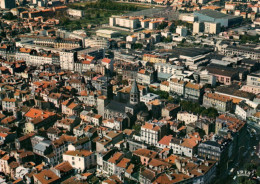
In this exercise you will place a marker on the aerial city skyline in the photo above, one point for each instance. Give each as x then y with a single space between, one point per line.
131 91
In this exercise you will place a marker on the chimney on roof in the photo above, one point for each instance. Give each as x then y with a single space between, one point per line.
229 135
206 163
46 177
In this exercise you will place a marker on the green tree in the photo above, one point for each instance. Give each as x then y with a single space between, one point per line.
137 129
137 46
162 25
167 40
246 180
197 109
97 15
249 38
87 16
9 16
258 171
64 21
250 166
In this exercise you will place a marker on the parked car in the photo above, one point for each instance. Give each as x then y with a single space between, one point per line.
231 171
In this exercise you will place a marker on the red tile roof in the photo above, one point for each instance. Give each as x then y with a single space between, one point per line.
106 60
46 177
166 140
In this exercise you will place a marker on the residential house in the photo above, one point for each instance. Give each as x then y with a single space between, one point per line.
218 150
177 86
147 176
9 104
152 132
61 145
112 162
108 139
146 76
159 165
68 123
6 135
53 133
165 86
115 123
145 155
187 117
43 148
170 110
46 177
149 97
55 98
63 170
244 110
5 161
193 91
37 119
189 145
80 159
70 108
108 63
219 102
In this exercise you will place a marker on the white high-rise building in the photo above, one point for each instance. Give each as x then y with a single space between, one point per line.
198 27
7 4
182 31
211 27
67 60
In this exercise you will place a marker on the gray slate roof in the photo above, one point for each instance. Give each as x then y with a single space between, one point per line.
134 88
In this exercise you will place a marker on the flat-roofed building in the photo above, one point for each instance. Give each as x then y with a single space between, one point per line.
75 13
124 22
241 50
105 33
252 83
225 20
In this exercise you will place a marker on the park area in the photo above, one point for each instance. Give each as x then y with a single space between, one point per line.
97 13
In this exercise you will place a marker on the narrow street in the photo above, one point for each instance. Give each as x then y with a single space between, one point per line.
243 157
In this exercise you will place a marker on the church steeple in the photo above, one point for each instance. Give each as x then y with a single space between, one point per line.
134 94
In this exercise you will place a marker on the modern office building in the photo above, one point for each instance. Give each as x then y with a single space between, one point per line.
217 17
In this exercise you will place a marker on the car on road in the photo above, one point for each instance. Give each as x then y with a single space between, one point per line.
255 147
231 171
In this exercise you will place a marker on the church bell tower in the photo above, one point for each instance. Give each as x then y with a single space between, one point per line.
134 94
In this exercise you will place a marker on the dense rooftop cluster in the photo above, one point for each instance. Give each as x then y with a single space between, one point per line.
164 95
